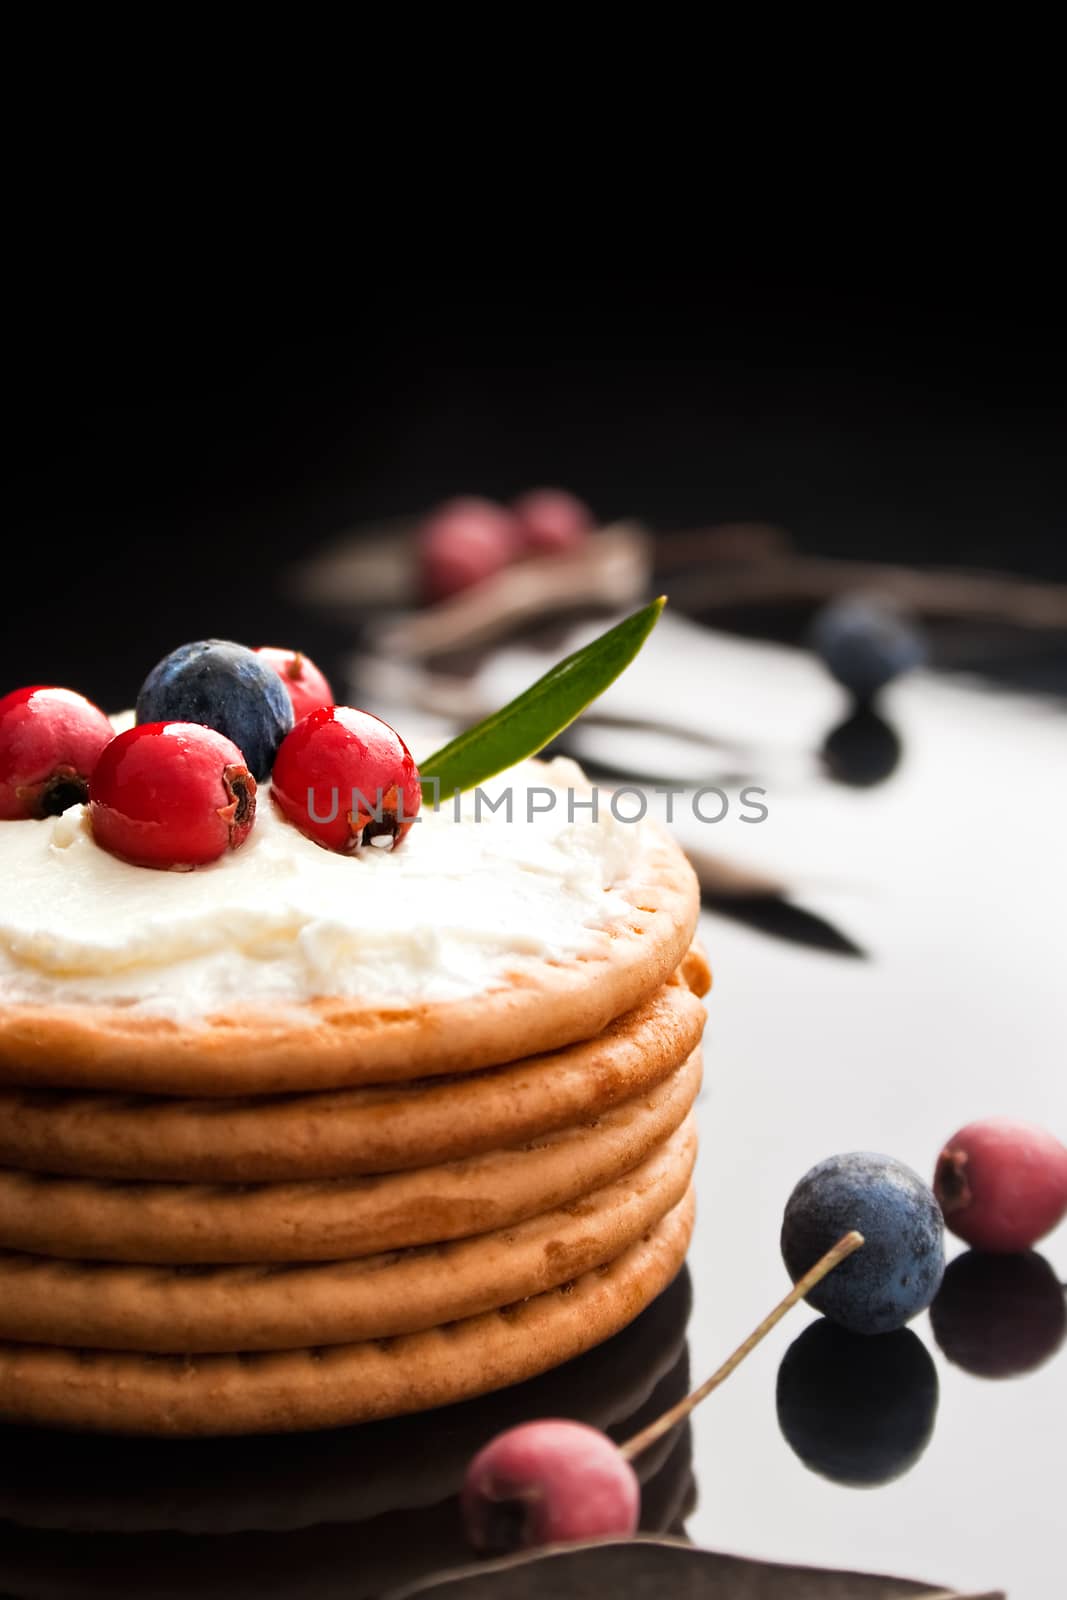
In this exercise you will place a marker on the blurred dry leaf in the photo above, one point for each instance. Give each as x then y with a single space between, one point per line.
648 1569
376 571
364 568
996 597
612 569
376 566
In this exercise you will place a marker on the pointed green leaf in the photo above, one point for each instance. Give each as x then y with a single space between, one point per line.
527 724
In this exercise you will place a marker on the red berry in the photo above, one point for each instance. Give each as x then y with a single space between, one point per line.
346 779
306 686
464 542
171 794
1002 1184
548 1483
50 740
552 520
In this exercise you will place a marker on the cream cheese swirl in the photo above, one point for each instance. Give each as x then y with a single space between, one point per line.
281 920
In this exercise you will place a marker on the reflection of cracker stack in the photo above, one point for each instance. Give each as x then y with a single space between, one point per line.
107 1484
249 1225
354 1512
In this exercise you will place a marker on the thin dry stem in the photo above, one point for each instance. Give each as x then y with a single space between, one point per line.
803 1286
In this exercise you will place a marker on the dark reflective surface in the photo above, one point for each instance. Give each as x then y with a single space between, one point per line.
955 886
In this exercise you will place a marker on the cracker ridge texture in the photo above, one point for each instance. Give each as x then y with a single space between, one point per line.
333 1134
176 1311
337 1219
337 1385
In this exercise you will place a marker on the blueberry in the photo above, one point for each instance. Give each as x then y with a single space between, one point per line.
225 687
866 642
999 1315
859 1411
899 1269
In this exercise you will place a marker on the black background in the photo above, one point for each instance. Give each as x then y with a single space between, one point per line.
172 457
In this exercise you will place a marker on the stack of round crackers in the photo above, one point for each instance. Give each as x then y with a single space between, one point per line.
355 1512
262 1223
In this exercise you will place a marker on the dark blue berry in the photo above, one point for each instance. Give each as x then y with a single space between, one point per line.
863 749
866 643
859 1411
899 1269
225 687
999 1315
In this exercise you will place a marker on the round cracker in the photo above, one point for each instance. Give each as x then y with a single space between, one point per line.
333 1042
350 1131
225 1309
87 1219
323 1388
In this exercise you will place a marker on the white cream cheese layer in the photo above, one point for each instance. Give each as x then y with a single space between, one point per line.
442 917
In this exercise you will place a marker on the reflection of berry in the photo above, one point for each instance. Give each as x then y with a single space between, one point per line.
347 779
896 1274
551 520
225 687
50 740
305 685
862 750
866 642
464 542
1002 1183
859 1411
548 1483
999 1315
171 794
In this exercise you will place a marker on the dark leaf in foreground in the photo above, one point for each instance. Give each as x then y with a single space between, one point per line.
648 1569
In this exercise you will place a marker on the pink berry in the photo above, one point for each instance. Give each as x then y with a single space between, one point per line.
171 795
305 685
50 741
552 520
548 1483
1002 1184
464 542
347 779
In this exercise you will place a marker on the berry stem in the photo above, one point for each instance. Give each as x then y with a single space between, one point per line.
803 1286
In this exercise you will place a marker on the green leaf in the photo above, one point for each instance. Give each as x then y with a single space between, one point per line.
525 726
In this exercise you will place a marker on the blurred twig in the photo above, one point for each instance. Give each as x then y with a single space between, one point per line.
996 597
722 568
